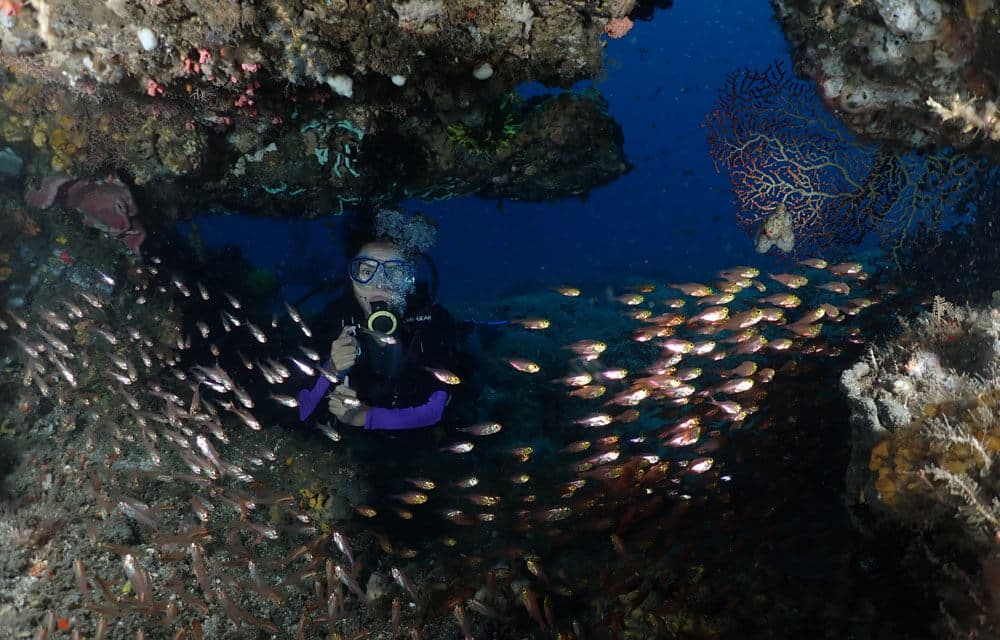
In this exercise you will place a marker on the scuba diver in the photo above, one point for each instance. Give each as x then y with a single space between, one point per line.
391 344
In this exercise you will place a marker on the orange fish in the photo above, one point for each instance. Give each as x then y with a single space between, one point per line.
639 314
814 263
805 330
626 417
614 374
710 315
752 345
588 392
790 280
483 429
744 319
736 385
831 310
700 465
703 348
813 315
445 376
594 420
693 289
676 345
459 447
736 273
577 380
668 319
525 366
835 287
421 483
411 497
780 344
744 369
535 324
587 347
786 300
686 375
717 298
577 447
773 314
684 437
630 299
846 268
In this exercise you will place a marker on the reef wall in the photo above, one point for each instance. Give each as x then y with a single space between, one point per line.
302 108
881 66
926 431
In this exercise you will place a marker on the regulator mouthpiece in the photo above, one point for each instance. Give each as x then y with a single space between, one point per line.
382 319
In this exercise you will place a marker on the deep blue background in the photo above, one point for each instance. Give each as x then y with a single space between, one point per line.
670 219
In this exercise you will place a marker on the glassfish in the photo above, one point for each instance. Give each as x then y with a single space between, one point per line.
523 365
444 376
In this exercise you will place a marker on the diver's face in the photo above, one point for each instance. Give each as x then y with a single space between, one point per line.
378 288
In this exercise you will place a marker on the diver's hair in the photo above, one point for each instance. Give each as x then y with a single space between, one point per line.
413 234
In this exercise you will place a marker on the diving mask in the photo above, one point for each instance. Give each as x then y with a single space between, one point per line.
397 275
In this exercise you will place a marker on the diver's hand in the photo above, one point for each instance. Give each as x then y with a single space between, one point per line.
346 407
344 350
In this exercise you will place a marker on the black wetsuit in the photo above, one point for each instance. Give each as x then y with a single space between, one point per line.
396 376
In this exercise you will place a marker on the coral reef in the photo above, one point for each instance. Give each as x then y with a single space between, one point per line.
877 63
276 105
926 434
783 150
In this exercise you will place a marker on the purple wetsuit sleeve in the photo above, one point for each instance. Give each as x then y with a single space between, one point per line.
423 415
310 398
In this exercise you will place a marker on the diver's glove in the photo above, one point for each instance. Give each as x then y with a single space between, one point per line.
346 407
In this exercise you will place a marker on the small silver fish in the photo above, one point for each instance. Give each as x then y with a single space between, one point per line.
53 319
459 447
310 353
73 310
111 338
108 280
293 313
328 431
303 367
343 546
180 287
255 331
279 368
483 429
245 361
287 401
91 299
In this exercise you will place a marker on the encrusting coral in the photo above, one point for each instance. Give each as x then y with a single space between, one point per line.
926 434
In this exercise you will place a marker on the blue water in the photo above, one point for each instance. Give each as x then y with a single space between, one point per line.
671 217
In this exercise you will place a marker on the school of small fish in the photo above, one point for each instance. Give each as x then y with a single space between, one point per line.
177 447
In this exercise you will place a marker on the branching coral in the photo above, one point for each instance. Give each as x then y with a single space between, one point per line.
969 115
